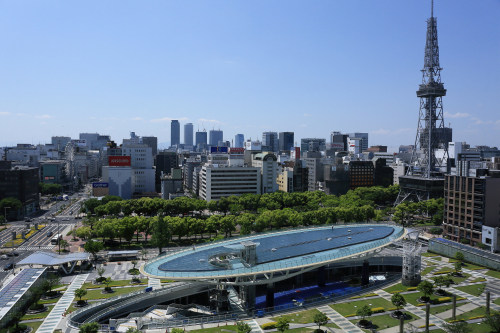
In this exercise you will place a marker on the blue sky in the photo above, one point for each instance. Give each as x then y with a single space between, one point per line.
311 67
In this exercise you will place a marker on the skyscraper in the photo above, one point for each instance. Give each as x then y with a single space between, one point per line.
214 137
285 141
363 139
175 133
270 141
239 141
188 134
201 138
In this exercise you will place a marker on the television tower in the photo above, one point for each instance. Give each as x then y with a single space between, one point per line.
424 178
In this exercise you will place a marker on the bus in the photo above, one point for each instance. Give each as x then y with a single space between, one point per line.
55 240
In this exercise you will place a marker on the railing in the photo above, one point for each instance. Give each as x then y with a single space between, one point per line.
236 316
152 267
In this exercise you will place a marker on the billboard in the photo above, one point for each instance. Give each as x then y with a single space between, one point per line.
222 150
100 185
237 151
119 160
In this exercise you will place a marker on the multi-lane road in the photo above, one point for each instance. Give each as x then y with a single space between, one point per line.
55 221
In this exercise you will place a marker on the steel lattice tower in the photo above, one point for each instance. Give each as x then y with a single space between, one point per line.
424 178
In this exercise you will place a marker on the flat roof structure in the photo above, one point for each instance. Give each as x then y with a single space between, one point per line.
53 259
16 288
271 257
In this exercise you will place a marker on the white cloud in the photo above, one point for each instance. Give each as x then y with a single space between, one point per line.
137 118
456 115
4 113
43 116
478 121
213 121
160 120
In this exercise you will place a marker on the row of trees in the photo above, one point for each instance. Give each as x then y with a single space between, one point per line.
303 201
50 189
408 213
164 228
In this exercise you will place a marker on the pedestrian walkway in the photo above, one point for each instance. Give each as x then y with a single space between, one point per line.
341 321
155 283
50 323
35 248
255 327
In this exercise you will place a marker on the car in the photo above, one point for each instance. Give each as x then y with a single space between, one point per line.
15 253
8 266
4 256
10 254
49 234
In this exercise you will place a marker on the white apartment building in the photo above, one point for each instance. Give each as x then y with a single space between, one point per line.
223 181
268 164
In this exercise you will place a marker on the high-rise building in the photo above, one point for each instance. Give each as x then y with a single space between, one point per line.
201 138
312 144
363 139
165 161
285 141
270 141
239 141
175 133
188 134
214 137
151 141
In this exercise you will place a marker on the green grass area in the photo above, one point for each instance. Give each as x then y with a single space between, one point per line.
303 317
97 293
349 308
443 308
480 279
222 329
117 283
385 321
436 258
41 315
331 325
473 289
427 269
492 273
481 311
397 288
429 254
460 279
472 266
34 325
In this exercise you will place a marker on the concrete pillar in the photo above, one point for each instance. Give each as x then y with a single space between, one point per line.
321 274
365 273
270 295
248 296
14 235
454 309
402 324
488 303
427 311
36 226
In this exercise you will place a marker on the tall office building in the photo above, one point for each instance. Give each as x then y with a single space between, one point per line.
239 141
363 139
188 134
201 138
151 141
285 141
214 137
270 141
175 133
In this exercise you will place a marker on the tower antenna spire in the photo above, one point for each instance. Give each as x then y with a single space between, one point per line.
432 8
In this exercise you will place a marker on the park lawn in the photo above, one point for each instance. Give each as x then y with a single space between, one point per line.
443 308
117 283
37 315
427 270
429 254
473 289
34 325
221 329
481 311
472 267
397 288
303 317
492 273
52 301
460 279
97 294
412 298
385 321
480 279
349 308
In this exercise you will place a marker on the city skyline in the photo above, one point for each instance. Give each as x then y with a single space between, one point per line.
312 69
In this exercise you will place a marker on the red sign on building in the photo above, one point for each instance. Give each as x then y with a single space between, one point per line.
119 160
236 151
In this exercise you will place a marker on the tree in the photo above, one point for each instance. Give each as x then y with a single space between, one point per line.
426 288
107 282
320 319
442 281
80 293
458 267
363 312
493 321
459 256
89 328
399 302
458 327
93 247
100 272
282 324
161 233
243 327
12 205
133 330
2 219
63 243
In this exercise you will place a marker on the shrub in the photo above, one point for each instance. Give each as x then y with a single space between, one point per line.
268 326
378 310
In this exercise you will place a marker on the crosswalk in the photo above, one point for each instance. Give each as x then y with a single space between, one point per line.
35 248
